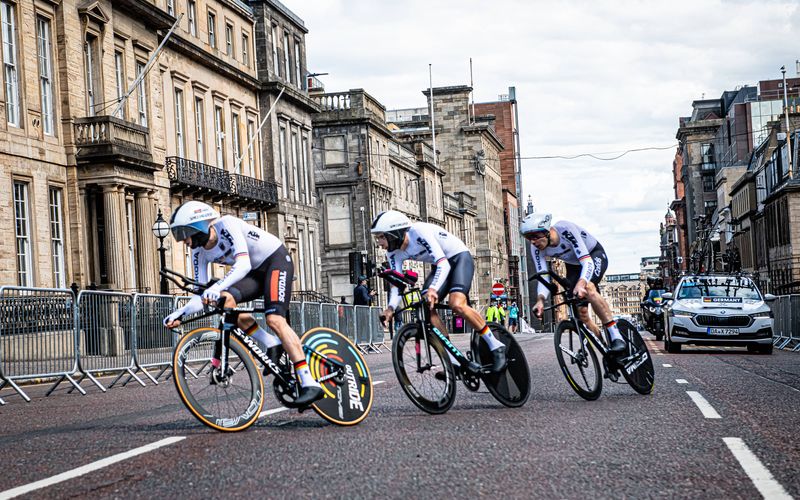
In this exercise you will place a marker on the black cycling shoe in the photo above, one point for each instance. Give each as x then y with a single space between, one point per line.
308 395
500 362
472 368
617 347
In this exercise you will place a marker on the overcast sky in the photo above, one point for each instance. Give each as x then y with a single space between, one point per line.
599 76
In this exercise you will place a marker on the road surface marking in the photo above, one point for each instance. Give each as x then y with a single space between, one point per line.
378 382
667 365
705 407
755 470
80 471
681 381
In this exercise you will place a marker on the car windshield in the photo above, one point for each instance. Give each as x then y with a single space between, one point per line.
731 287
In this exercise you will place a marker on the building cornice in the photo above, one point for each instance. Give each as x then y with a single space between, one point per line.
193 52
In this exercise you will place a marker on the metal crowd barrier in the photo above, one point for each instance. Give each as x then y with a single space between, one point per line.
154 342
37 337
786 312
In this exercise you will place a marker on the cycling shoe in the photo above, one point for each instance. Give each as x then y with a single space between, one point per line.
308 395
500 362
617 347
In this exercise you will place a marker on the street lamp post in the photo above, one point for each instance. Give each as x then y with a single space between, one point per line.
160 231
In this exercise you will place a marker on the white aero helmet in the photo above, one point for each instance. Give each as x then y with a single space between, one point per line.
192 218
393 225
535 223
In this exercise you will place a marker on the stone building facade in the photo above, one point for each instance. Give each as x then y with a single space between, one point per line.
623 292
87 177
287 136
470 157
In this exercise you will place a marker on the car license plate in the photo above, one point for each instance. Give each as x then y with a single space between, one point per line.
723 331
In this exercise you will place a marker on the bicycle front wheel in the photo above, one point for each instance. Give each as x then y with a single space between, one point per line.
226 402
417 363
637 364
578 361
348 394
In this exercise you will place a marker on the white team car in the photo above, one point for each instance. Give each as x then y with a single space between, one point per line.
718 310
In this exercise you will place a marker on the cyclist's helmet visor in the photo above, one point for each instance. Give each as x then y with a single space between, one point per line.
536 235
180 233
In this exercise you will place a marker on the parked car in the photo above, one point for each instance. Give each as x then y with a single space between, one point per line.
718 310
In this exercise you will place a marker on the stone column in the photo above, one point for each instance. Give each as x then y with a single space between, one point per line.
113 199
146 244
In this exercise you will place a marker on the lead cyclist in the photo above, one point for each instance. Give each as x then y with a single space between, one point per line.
586 263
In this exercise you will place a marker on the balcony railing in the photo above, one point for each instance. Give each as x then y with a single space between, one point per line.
255 189
451 203
201 178
466 201
103 136
199 175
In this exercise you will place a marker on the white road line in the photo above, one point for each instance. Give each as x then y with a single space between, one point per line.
272 411
80 471
755 470
705 406
681 381
379 382
667 365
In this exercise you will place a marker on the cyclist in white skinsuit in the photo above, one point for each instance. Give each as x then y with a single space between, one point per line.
586 263
260 268
452 274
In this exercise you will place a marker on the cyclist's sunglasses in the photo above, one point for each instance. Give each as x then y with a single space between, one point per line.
536 236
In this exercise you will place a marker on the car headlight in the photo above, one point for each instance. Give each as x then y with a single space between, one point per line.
762 314
681 314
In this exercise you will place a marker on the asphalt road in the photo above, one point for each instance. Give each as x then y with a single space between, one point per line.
556 446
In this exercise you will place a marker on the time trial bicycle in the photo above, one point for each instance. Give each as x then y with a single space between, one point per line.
578 361
423 366
230 397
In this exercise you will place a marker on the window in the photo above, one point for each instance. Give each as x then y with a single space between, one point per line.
45 73
237 146
130 228
229 40
276 66
219 134
301 261
179 138
295 168
334 146
299 78
171 7
141 98
306 170
57 238
119 73
8 28
338 219
200 129
245 53
282 158
23 232
212 28
707 152
191 13
286 56
708 183
92 73
251 163
710 207
312 258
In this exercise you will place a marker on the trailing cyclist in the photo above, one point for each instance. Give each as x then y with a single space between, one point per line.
586 263
452 273
260 268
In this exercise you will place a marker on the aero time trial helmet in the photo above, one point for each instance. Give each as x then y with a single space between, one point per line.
535 223
393 225
192 218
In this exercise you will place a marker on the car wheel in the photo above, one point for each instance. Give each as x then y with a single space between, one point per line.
765 349
672 347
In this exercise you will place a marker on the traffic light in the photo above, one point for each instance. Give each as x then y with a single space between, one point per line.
356 266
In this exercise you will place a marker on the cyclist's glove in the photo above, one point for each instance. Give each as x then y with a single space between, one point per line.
172 317
212 294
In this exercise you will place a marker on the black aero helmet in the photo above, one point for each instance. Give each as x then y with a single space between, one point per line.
393 225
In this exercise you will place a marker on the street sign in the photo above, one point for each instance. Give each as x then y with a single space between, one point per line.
498 289
250 216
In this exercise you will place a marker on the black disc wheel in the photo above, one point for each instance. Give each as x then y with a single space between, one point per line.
229 401
423 369
343 374
637 364
578 361
512 386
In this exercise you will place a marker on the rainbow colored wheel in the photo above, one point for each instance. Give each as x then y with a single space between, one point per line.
343 374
